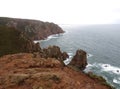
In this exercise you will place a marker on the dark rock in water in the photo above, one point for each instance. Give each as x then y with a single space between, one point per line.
79 60
106 66
65 56
117 70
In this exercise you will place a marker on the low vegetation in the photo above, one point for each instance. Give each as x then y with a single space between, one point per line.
100 78
13 41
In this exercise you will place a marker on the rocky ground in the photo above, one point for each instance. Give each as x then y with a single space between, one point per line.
26 71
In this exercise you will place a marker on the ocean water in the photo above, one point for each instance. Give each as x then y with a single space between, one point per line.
102 44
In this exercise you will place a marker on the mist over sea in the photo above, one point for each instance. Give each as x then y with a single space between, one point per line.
101 42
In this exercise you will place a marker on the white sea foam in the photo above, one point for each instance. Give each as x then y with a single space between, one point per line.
36 41
89 55
104 67
110 68
49 37
88 67
116 80
67 61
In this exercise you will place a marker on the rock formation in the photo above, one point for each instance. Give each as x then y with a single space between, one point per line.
54 52
34 29
79 60
17 35
24 71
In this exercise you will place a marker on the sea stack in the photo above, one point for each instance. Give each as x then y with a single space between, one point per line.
79 60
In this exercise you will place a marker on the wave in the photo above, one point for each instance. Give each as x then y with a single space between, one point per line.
53 36
89 55
36 41
104 67
116 80
68 60
49 37
110 68
109 72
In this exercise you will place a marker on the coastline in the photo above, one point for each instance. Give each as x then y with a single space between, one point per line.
46 66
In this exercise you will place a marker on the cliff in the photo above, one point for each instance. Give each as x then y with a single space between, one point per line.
14 41
34 29
24 71
79 60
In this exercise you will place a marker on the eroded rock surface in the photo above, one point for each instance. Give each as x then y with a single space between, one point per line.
79 60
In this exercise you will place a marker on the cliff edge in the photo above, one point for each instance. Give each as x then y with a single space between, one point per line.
24 71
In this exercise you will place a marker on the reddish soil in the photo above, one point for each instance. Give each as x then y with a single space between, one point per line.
23 71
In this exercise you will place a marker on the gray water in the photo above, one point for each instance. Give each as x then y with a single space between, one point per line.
101 42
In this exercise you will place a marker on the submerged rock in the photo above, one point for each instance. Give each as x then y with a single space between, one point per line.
65 55
79 60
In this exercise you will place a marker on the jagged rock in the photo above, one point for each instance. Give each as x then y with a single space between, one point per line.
54 52
65 56
79 60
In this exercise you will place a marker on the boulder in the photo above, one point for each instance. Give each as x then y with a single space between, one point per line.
65 56
54 52
79 60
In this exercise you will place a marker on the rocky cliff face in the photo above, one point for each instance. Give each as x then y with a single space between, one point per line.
79 60
25 71
34 29
14 41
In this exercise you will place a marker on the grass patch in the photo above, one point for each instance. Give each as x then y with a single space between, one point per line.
74 68
101 79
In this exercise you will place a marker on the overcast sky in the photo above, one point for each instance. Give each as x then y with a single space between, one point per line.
63 11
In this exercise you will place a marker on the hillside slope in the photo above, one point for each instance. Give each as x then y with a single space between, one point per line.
24 71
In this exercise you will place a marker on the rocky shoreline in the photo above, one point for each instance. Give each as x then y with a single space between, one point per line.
27 66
